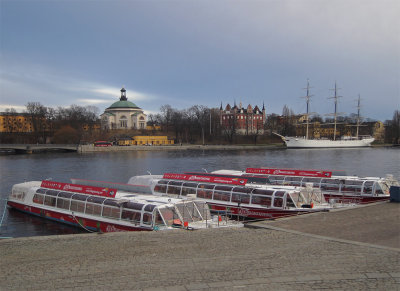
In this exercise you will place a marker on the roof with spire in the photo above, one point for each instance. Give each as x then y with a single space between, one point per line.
123 102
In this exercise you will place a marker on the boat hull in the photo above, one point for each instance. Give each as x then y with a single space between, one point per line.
354 199
258 213
298 142
74 220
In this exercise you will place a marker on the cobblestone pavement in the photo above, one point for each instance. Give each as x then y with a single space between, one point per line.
377 223
225 259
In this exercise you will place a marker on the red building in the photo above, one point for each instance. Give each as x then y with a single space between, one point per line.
242 120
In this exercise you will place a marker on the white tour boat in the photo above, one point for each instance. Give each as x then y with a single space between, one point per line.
339 187
230 195
108 209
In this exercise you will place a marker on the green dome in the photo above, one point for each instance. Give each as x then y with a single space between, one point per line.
123 104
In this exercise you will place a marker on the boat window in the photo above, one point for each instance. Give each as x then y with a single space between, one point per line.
65 194
222 195
261 200
18 194
78 206
263 192
240 198
93 208
110 211
147 218
98 200
289 202
280 193
276 180
257 180
311 180
330 185
175 190
160 188
149 207
206 186
163 182
204 193
50 200
79 197
330 181
242 189
278 202
52 192
192 211
158 219
63 203
378 189
175 183
111 202
169 215
38 198
224 188
203 209
352 186
41 190
188 190
131 215
192 185
134 205
185 212
293 181
293 178
368 186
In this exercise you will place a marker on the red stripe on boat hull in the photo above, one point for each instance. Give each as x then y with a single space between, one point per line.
257 213
91 224
354 198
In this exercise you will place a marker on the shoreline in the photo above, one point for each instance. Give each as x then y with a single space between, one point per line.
92 149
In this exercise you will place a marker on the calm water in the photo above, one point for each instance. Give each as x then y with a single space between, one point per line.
119 167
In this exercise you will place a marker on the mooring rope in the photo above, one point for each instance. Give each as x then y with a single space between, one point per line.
2 217
81 224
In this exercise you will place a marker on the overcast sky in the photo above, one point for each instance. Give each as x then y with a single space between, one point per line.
186 52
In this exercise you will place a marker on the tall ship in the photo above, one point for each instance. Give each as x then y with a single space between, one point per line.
343 142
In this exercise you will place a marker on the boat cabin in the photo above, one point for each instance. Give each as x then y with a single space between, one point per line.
240 195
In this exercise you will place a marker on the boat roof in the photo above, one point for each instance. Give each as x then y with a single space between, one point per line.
121 195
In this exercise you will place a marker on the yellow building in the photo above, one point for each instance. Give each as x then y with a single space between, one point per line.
151 140
15 122
125 141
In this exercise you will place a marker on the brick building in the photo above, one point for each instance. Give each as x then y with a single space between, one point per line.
242 120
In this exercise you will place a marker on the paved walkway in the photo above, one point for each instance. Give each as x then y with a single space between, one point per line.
226 259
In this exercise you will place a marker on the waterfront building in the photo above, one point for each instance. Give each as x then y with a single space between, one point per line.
123 114
244 121
152 140
13 122
144 140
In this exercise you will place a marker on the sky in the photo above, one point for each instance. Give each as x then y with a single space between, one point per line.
187 52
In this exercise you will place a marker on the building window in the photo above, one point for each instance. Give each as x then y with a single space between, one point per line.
123 122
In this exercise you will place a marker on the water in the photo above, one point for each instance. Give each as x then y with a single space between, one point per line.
119 167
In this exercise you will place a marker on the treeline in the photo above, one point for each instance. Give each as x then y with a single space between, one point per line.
392 129
51 125
202 125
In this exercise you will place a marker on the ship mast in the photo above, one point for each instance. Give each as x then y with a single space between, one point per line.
358 115
335 98
308 96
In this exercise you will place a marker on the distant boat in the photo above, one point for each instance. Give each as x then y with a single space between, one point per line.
344 142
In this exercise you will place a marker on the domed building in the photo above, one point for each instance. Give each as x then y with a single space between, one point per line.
123 114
